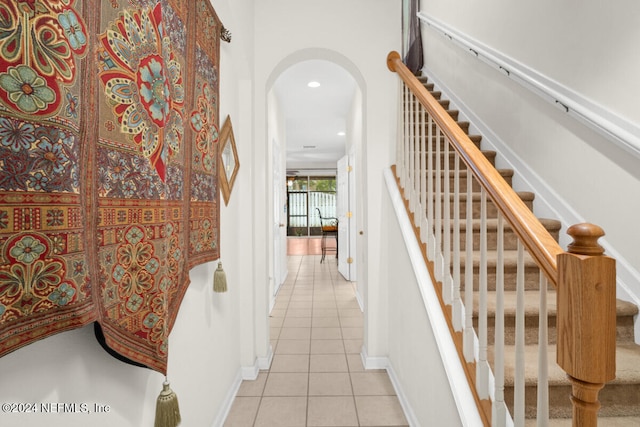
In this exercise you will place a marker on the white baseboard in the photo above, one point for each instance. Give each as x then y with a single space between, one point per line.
406 407
250 373
373 362
359 299
264 363
228 401
383 363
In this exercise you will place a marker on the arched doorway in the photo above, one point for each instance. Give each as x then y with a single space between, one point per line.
315 118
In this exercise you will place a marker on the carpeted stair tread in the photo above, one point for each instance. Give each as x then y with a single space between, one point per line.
464 125
475 139
627 371
489 154
602 422
476 196
551 225
505 173
510 258
510 238
620 397
625 313
531 304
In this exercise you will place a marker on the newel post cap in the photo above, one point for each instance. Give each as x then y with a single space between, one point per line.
391 58
585 239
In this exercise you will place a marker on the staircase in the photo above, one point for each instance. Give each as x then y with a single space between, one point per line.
620 398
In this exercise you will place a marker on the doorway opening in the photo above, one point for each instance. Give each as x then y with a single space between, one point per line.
307 198
315 116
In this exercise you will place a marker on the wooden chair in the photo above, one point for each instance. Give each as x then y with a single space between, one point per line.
329 228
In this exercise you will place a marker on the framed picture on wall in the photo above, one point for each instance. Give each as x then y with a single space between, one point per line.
229 162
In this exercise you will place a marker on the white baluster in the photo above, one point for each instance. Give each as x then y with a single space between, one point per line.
405 160
400 160
416 155
458 315
424 234
519 413
438 214
482 369
469 334
410 189
431 248
447 286
499 408
543 366
401 133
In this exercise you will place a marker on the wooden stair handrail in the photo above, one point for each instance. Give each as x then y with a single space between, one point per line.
584 277
539 243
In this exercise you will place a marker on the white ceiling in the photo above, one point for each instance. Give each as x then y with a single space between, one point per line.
314 116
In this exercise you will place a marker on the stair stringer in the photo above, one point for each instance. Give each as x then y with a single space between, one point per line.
458 384
547 203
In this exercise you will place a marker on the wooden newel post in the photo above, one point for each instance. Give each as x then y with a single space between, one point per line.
586 320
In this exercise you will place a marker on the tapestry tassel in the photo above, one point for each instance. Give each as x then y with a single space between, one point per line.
167 410
219 279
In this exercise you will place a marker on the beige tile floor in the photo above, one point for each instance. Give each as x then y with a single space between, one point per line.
316 377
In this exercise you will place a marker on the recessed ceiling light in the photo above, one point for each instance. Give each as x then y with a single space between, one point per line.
341 133
313 84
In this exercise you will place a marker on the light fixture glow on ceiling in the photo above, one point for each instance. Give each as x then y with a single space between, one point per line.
313 84
342 133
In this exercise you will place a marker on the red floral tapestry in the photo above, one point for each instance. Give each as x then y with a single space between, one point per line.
108 188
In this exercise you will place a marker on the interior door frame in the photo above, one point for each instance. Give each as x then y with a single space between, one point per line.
345 211
280 271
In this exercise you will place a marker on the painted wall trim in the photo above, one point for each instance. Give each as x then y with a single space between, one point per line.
261 363
370 362
620 131
228 401
264 363
458 384
406 407
360 301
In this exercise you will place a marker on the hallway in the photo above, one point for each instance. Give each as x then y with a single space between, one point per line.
316 377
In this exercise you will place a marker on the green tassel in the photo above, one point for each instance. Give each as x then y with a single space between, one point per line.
219 279
167 410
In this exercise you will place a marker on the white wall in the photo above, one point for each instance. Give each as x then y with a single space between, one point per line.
586 46
211 338
277 136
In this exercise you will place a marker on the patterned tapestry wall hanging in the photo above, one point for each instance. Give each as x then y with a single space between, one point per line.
108 188
45 268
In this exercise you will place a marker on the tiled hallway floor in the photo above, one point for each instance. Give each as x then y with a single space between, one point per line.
316 377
